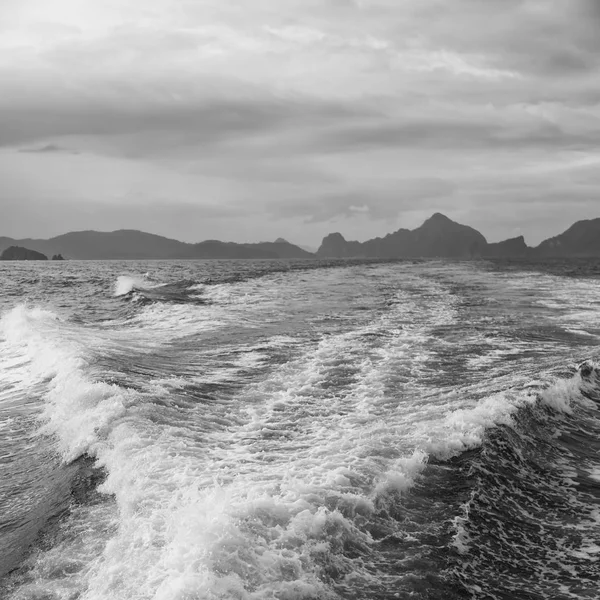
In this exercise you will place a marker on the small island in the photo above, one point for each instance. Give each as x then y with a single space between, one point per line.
57 257
19 253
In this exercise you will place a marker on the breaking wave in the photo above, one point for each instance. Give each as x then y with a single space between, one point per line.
531 521
144 291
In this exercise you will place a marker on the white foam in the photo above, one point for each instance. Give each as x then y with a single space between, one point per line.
403 474
461 540
582 332
22 330
77 409
127 283
464 429
177 320
562 394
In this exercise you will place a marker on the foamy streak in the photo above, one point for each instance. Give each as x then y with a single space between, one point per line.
461 539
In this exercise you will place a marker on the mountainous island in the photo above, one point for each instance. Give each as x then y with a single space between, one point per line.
438 236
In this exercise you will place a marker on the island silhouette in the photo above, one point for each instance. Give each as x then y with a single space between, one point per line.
438 236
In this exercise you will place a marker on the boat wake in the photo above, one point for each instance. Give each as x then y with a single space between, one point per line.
199 455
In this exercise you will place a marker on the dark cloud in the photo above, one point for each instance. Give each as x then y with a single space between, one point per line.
540 38
48 149
458 135
200 120
551 46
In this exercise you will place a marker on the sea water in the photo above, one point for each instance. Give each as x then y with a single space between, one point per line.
299 430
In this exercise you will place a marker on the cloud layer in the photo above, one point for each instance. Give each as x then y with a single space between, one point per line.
262 118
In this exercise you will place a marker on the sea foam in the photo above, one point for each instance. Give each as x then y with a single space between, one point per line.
128 283
77 409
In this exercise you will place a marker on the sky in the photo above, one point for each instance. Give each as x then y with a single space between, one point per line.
248 120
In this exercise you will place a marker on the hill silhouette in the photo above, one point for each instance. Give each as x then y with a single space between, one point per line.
129 244
580 240
438 236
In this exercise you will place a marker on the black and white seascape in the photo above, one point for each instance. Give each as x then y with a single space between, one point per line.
299 299
299 430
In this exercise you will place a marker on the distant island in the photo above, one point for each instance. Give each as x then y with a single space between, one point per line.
136 245
19 253
438 236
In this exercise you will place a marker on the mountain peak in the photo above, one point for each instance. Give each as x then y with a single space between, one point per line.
334 244
337 237
439 236
438 218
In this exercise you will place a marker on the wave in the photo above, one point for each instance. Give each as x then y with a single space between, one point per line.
530 525
210 505
144 291
76 408
145 288
41 366
126 284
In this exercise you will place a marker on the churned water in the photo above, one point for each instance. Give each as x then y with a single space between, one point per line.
299 430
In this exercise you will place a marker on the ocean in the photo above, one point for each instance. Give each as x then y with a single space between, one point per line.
299 430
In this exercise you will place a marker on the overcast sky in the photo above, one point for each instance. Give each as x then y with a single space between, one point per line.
247 120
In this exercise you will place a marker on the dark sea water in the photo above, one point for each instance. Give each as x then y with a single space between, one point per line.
299 430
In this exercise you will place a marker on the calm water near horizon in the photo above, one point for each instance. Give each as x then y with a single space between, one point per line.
297 430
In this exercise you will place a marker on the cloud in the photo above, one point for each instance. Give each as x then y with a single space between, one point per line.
303 112
205 113
460 134
48 149
382 204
